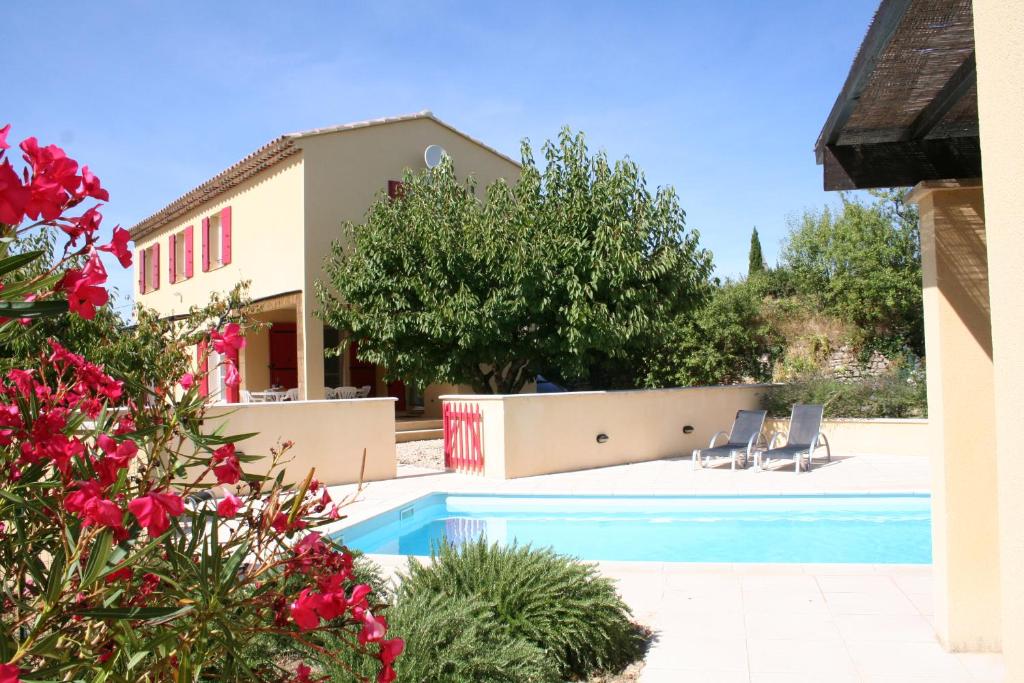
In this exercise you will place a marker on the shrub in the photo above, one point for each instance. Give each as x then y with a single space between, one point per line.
548 601
113 564
458 639
895 395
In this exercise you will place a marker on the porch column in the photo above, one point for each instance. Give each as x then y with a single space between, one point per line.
961 418
999 37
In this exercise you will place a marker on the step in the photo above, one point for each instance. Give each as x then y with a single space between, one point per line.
415 425
418 435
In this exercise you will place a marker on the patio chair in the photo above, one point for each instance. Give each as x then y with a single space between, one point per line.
347 392
743 438
330 393
804 438
363 391
246 396
291 395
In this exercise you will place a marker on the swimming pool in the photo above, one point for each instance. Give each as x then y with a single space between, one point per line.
891 528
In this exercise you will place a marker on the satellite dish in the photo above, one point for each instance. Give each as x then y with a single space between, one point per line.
433 154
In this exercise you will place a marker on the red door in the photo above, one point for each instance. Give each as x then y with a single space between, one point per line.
361 373
284 364
397 390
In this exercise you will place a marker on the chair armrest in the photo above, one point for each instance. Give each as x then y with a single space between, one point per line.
774 437
828 449
751 442
711 444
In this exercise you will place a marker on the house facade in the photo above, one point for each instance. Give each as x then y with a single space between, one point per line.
270 219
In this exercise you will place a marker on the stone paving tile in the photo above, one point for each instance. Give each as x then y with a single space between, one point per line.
874 658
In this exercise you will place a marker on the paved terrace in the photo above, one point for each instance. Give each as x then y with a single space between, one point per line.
756 623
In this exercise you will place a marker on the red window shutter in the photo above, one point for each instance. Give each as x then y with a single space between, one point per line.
206 244
394 189
156 265
225 235
231 393
140 266
203 366
188 252
172 256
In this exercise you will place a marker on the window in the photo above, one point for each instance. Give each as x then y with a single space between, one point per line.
180 255
217 239
212 243
149 268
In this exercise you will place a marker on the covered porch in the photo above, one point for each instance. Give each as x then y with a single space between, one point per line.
272 357
933 100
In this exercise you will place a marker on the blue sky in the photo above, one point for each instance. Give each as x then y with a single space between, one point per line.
722 100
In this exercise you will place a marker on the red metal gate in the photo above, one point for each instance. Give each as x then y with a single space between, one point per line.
463 437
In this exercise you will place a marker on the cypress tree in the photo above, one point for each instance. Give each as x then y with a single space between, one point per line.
756 257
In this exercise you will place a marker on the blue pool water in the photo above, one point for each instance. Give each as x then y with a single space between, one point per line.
769 528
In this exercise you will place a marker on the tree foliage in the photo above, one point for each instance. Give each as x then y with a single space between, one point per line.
755 258
863 265
573 269
726 341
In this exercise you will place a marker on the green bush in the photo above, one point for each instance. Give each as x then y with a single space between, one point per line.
552 602
490 614
457 639
897 395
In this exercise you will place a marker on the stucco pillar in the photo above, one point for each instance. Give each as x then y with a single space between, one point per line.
961 417
999 39
311 381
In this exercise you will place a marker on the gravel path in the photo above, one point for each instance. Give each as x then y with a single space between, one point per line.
429 454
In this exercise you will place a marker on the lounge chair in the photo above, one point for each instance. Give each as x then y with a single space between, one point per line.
744 436
804 438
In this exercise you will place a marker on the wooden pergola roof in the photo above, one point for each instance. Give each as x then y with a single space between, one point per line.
909 109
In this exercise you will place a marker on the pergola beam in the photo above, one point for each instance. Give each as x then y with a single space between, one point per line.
958 85
900 164
888 19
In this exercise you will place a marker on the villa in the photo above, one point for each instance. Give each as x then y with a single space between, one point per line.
270 219
925 588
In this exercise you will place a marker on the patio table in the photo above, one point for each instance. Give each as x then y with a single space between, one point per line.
268 396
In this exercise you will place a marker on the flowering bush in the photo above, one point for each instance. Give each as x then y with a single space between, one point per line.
116 563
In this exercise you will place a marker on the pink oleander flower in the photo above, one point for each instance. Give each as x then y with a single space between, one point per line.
226 467
230 341
187 380
55 177
374 628
119 246
390 649
281 525
3 137
88 503
153 510
83 287
304 610
302 673
13 195
9 673
91 186
87 224
231 376
228 506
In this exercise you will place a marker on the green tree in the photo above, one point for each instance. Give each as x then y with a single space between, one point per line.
726 341
863 265
755 259
573 271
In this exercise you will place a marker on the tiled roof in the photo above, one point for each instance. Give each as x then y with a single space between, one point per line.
266 156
